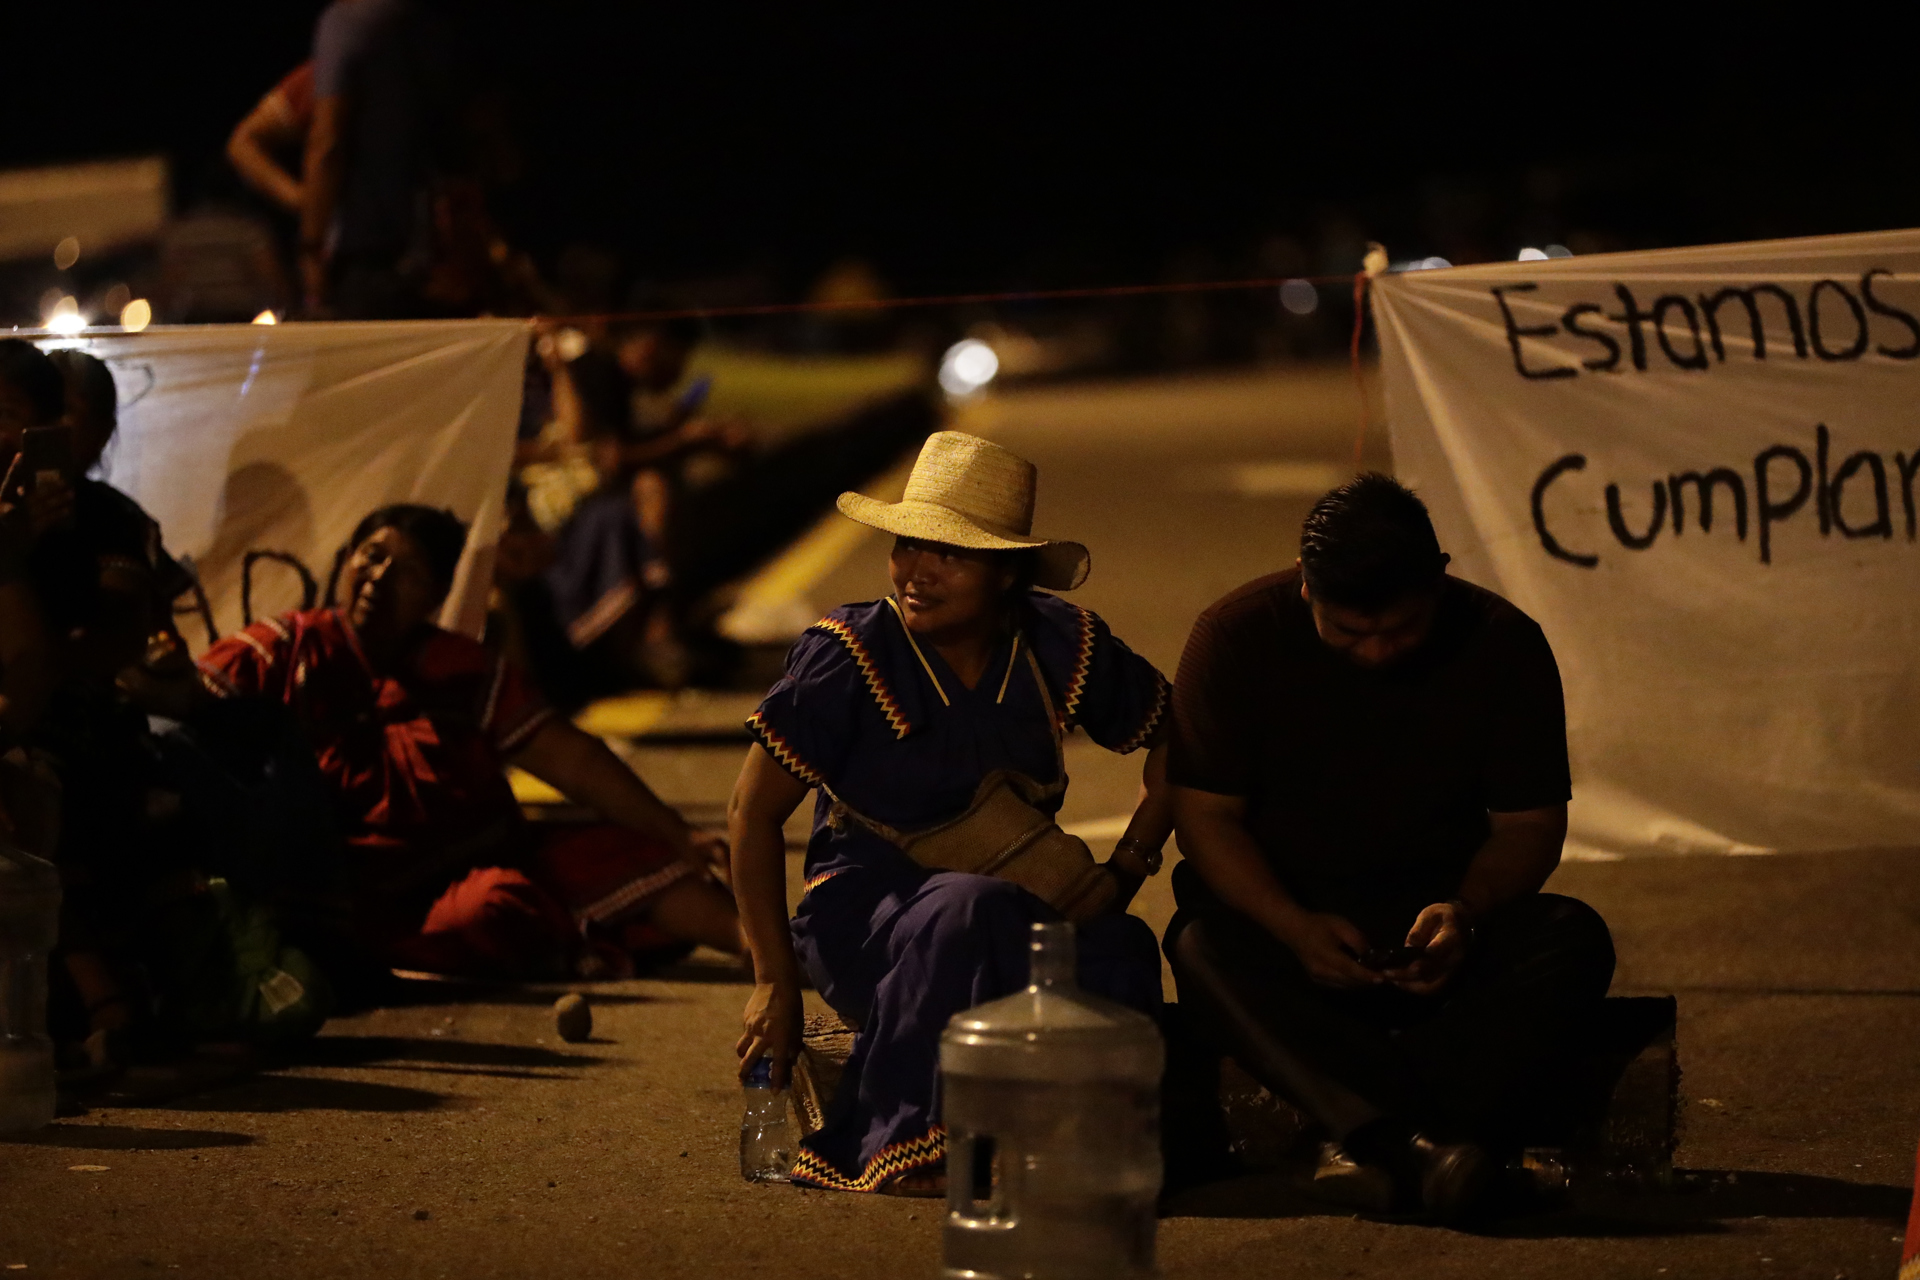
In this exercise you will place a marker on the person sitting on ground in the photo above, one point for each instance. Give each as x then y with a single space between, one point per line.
897 711
143 958
620 425
413 727
93 415
1370 783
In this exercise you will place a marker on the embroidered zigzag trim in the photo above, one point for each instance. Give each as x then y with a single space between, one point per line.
869 669
821 879
779 749
1082 661
1161 698
889 1162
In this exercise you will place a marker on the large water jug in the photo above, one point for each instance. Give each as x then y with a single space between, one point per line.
29 918
1051 1099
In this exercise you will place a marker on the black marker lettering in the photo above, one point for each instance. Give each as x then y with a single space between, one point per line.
1629 539
1665 303
1572 462
1632 317
1571 322
1823 496
1768 512
1710 307
1855 349
1517 331
1882 526
1879 308
1703 486
1907 466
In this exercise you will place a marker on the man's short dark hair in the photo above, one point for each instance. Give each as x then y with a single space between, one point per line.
1369 544
438 533
26 368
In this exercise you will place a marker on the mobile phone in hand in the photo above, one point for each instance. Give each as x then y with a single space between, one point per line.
1382 959
47 454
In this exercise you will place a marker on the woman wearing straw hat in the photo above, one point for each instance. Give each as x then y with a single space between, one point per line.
928 721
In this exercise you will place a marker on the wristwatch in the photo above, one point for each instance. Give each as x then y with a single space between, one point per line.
1138 849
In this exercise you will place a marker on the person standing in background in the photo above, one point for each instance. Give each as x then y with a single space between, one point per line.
276 128
383 75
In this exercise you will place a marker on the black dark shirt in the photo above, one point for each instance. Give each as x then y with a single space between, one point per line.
1368 790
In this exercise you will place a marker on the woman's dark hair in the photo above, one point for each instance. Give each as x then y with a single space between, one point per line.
26 368
1026 566
88 374
438 533
1369 544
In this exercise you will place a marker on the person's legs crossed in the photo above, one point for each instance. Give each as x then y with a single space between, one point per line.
1253 999
1538 970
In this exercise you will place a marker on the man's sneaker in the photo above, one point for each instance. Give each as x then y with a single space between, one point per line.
1342 1180
1454 1176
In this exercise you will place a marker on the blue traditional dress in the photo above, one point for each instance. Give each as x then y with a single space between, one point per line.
897 949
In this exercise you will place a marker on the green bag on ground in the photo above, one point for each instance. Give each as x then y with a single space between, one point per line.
231 976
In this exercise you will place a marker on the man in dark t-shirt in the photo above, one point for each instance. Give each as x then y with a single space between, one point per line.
1370 775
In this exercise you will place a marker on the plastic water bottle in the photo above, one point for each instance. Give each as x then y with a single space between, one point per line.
766 1145
1051 1097
29 919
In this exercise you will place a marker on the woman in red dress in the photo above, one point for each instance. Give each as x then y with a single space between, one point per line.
413 727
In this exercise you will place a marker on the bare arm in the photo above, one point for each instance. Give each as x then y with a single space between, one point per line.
1149 828
763 799
320 194
1519 855
581 767
267 128
1214 838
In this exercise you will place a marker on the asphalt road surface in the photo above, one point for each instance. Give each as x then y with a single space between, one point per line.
458 1137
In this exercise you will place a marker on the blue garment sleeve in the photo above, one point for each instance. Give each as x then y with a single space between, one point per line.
809 720
1117 696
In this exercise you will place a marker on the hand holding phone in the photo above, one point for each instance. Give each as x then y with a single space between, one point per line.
45 471
1385 959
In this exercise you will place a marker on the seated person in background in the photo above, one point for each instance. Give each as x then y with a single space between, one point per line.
90 581
92 412
619 427
413 727
1370 781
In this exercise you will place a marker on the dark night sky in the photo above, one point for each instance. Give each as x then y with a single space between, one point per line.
974 146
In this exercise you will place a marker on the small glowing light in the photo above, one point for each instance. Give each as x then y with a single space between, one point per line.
67 252
266 317
969 365
66 317
1531 255
1299 297
571 344
1559 251
136 315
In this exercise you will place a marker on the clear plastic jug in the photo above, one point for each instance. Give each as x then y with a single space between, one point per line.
1052 1096
29 919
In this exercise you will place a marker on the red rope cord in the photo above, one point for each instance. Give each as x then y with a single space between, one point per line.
1360 282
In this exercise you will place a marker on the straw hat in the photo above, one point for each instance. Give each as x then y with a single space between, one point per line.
969 492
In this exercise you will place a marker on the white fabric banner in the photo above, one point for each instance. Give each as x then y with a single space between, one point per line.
244 439
1696 469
